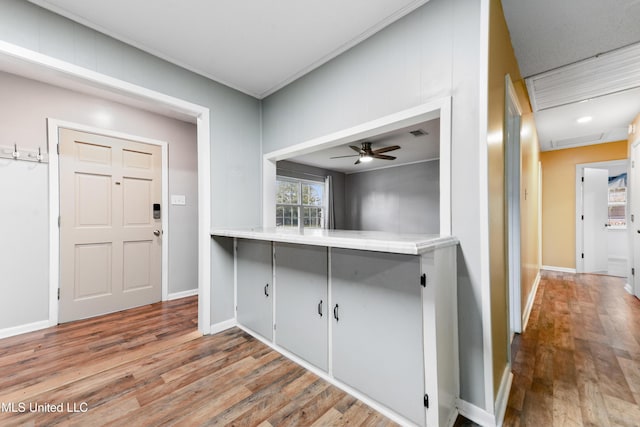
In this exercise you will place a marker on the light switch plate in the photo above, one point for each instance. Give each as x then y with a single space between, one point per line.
178 200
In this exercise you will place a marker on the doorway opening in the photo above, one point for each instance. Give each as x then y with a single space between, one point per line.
602 245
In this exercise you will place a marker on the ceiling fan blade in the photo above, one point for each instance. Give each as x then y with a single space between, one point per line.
356 149
383 157
385 149
339 157
357 161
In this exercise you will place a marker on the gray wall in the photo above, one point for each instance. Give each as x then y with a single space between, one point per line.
234 117
25 107
431 53
401 199
300 171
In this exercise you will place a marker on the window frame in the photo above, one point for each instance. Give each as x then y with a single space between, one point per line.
300 182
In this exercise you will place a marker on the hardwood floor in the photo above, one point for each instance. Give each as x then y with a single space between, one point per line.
149 366
578 362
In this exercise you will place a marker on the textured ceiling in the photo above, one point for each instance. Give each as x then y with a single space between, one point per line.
256 47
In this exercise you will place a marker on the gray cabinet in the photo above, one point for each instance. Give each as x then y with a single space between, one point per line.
301 306
377 335
255 286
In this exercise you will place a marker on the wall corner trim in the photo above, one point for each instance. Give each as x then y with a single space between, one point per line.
222 326
559 269
23 329
503 395
475 413
183 294
530 299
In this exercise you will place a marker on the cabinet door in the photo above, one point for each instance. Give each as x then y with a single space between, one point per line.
255 286
301 305
377 336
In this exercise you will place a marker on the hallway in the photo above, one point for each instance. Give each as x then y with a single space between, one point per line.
578 363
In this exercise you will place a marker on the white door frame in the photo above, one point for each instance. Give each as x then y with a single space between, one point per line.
47 69
53 128
579 205
512 183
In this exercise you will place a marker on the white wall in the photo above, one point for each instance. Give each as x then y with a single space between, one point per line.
234 117
400 199
431 53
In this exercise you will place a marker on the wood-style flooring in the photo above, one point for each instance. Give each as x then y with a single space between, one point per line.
578 362
149 366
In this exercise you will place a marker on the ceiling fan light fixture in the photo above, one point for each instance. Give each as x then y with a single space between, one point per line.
365 158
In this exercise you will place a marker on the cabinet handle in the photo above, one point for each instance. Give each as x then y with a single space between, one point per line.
320 308
335 313
266 290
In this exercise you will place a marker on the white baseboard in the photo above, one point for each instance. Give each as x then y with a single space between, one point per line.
530 300
560 269
628 288
325 376
476 414
223 326
503 395
183 294
23 329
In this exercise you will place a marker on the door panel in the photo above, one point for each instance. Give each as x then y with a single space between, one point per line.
377 336
595 193
302 306
110 257
255 286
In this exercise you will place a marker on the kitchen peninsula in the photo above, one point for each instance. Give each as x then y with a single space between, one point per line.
374 313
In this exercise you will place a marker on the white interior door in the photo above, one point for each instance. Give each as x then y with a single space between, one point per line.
595 193
110 238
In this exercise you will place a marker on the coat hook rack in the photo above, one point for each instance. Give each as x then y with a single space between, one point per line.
27 155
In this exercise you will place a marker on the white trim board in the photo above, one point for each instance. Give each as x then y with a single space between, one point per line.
475 414
53 128
530 300
559 269
439 108
503 395
393 166
183 294
23 329
223 326
47 69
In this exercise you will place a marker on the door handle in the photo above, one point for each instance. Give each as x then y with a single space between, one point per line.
266 290
335 313
320 308
157 232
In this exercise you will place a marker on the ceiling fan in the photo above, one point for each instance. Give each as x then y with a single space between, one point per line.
366 154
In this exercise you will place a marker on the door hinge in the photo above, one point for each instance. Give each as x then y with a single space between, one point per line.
426 401
583 255
59 220
274 326
633 271
58 293
423 280
58 148
632 218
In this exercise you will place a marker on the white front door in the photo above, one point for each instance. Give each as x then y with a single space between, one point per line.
110 239
595 194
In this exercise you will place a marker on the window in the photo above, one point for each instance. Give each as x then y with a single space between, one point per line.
296 194
618 206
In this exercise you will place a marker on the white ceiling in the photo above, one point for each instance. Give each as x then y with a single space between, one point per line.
256 47
548 34
412 150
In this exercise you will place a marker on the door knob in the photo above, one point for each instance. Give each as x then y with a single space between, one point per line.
157 232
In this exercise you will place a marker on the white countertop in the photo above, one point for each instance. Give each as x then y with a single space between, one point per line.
412 244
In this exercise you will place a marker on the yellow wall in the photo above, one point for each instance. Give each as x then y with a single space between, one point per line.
559 198
502 61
